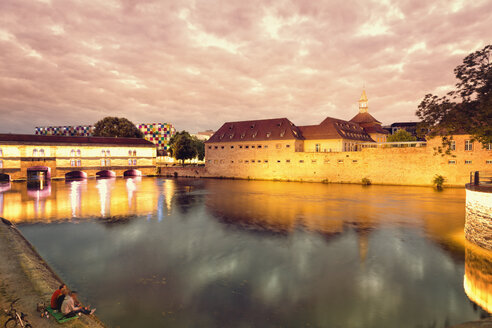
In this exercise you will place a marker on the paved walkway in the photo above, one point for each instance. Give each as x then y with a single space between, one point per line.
24 275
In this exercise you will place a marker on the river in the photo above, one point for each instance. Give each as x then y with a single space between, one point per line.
154 252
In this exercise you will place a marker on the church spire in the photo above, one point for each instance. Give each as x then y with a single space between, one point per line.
363 102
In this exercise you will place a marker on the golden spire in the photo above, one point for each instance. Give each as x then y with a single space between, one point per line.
363 102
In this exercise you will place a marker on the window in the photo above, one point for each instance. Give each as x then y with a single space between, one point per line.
41 152
108 153
287 146
221 161
216 147
266 146
1 152
340 161
72 162
78 152
265 161
278 146
468 145
246 147
72 153
222 147
103 153
34 152
129 153
468 162
1 163
327 161
232 161
253 146
246 161
354 161
209 161
240 147
102 162
129 161
108 162
301 161
287 160
313 161
209 147
489 147
79 162
232 147
252 161
452 145
452 161
318 146
486 162
215 161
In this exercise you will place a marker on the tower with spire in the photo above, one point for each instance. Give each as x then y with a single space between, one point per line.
368 122
363 102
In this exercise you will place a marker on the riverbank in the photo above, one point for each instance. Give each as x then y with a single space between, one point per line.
25 275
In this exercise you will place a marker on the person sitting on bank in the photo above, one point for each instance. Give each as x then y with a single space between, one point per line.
69 309
58 297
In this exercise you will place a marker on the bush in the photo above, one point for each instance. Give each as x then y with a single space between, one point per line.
438 181
366 182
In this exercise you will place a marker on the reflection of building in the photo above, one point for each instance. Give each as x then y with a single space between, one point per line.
478 276
42 157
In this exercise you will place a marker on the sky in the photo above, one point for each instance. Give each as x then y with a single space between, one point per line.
198 64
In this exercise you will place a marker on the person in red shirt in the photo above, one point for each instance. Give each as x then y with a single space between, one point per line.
58 296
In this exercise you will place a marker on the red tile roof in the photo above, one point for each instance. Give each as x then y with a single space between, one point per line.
257 130
332 128
364 118
75 140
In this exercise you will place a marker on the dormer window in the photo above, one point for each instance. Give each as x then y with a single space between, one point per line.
221 136
231 126
268 134
282 133
279 124
231 136
253 125
254 134
242 135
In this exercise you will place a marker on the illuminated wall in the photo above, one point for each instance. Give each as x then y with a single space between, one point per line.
407 166
478 224
158 133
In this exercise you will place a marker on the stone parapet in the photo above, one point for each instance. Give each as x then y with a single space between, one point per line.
478 225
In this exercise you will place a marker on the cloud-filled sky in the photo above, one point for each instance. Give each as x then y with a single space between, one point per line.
198 64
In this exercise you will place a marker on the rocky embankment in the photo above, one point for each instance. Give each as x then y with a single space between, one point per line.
25 275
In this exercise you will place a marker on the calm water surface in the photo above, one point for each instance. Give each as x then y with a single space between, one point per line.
153 252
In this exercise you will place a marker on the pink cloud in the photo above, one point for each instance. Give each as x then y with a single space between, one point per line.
200 63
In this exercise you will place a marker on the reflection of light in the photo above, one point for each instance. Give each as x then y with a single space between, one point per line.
477 281
169 192
5 187
1 204
130 188
103 186
75 197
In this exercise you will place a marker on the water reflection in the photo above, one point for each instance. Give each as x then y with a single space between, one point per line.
478 276
243 253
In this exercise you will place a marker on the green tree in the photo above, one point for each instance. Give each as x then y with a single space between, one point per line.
116 127
400 136
468 108
182 146
179 142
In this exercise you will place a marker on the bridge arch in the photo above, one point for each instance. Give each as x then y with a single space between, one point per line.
4 178
73 175
106 174
37 173
132 173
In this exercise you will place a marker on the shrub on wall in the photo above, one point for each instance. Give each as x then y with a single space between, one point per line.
366 182
438 181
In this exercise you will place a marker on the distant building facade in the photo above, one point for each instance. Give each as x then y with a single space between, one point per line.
157 133
37 156
337 151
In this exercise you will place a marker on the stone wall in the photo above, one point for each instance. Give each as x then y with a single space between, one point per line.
478 224
399 166
183 171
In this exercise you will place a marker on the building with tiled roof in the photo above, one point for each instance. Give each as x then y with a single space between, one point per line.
368 122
